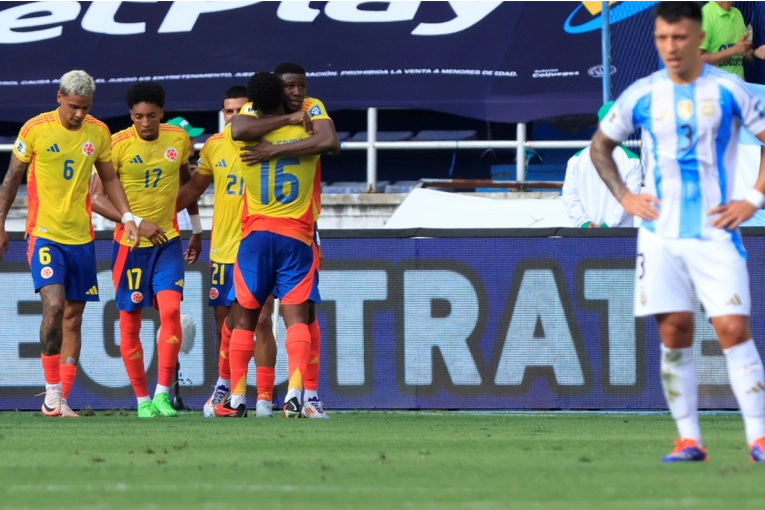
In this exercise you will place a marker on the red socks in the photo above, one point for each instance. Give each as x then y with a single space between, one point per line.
224 368
265 380
51 370
132 351
311 377
170 335
298 344
240 353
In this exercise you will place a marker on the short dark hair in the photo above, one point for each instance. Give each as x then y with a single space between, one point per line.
235 92
672 12
145 92
264 89
289 68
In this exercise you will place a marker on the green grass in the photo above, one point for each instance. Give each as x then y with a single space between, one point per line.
371 460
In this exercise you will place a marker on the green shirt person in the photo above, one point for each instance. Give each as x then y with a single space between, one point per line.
728 41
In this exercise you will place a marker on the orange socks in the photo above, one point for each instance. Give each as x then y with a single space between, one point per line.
51 370
132 351
240 353
68 373
265 379
170 336
224 368
298 344
311 377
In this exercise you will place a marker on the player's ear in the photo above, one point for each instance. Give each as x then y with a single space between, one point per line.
58 96
161 114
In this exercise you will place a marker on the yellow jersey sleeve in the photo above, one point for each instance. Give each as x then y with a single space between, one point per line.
315 109
203 165
248 109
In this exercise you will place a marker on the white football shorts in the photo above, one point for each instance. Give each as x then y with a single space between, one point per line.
667 271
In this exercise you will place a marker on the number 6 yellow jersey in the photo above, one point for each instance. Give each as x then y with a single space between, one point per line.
60 165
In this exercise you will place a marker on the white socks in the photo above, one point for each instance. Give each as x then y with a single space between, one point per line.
161 389
223 382
141 400
294 393
678 377
747 379
309 394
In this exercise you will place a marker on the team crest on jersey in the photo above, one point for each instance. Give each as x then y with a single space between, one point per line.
707 108
685 109
88 148
214 294
171 154
46 272
136 297
21 147
314 111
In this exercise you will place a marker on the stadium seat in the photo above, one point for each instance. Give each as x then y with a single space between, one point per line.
382 136
352 187
401 187
434 135
343 135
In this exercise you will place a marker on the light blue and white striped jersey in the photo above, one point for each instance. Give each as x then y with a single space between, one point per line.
692 143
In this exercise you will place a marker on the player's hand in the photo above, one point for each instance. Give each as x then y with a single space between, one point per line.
743 45
194 248
152 232
4 247
732 214
760 52
303 118
593 225
642 205
252 155
321 256
131 232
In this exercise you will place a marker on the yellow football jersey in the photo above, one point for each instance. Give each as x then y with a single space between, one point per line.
150 173
317 111
219 158
279 192
59 175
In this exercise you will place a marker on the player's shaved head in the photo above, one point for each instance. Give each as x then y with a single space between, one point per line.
265 91
145 92
289 68
672 12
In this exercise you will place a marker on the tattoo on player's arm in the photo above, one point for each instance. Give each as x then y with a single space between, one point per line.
601 153
11 183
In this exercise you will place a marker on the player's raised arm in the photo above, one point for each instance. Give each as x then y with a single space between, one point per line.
8 189
324 140
248 127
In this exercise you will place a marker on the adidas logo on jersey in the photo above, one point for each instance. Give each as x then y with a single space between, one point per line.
734 301
93 291
179 283
53 148
136 159
221 164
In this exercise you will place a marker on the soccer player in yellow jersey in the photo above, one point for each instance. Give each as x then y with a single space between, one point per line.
219 164
58 149
313 115
275 255
152 161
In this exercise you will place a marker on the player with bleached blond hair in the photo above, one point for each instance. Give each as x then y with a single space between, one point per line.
57 150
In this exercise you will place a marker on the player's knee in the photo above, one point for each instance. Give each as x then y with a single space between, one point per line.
732 330
676 331
54 311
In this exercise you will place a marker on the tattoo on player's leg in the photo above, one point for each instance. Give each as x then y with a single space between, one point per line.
51 334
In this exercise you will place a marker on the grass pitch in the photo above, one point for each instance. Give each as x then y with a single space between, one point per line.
371 460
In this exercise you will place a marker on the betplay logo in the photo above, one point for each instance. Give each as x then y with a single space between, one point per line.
43 20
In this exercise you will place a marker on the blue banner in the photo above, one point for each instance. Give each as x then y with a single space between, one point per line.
482 323
493 60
